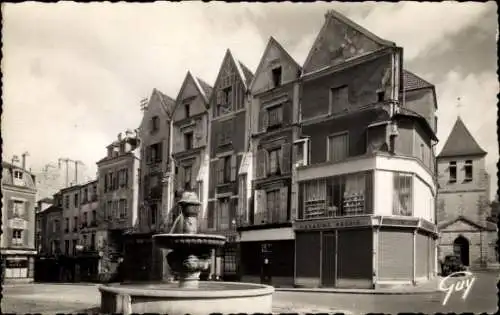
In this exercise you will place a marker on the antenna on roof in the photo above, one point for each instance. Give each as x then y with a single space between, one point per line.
144 103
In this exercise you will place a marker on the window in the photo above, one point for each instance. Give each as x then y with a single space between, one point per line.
223 214
92 241
155 124
66 202
154 213
273 204
226 95
380 96
75 242
18 208
343 195
85 195
275 115
468 171
339 98
187 177
66 229
66 247
301 152
94 216
154 153
274 161
76 200
453 171
18 175
55 226
17 237
276 76
123 208
338 147
187 110
109 209
85 219
123 177
403 194
226 131
75 224
227 169
188 141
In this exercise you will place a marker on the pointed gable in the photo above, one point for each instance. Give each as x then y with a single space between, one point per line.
340 39
274 56
191 87
462 223
460 142
206 88
159 104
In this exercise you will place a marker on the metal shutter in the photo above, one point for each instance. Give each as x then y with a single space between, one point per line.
307 254
354 254
422 256
395 255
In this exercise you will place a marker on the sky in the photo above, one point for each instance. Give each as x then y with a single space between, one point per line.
74 73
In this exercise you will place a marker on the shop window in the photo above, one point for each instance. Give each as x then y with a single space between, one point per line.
403 194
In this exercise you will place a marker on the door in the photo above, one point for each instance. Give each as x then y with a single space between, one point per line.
328 270
461 249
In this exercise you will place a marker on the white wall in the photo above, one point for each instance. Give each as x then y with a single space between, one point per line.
424 188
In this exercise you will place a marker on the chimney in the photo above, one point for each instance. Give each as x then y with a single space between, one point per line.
120 136
23 165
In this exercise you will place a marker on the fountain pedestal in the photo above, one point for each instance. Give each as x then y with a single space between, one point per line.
189 256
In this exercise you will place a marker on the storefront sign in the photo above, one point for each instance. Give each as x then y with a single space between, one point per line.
399 222
18 223
332 223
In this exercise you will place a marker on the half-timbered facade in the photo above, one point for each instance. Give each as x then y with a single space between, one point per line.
228 145
369 184
266 229
190 139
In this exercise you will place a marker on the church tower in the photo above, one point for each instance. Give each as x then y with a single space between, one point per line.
463 199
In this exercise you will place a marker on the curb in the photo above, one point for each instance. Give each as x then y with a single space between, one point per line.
348 291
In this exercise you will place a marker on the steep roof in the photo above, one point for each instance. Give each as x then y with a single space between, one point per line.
207 89
414 82
247 73
167 103
460 142
273 42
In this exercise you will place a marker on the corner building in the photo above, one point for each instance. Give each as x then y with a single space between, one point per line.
366 193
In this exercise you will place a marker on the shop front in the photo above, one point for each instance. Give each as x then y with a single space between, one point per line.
268 259
334 253
18 266
364 252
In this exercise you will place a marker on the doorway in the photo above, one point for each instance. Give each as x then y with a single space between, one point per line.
461 249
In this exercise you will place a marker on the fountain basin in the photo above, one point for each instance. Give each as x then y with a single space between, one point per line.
187 241
168 298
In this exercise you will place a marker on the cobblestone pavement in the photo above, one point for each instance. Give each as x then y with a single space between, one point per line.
72 298
53 298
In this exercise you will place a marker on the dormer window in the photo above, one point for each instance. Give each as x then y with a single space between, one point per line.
155 124
276 72
18 175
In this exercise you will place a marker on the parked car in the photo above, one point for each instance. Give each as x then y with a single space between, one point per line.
451 264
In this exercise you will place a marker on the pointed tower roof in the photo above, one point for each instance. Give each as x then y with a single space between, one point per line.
460 142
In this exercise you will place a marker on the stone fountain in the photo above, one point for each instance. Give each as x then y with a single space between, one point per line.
190 255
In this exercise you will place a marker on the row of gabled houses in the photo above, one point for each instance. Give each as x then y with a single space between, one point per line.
321 170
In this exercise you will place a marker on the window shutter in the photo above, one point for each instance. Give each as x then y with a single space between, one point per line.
267 167
261 120
283 204
210 214
220 171
180 178
233 168
159 154
286 111
126 178
219 96
261 163
285 158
